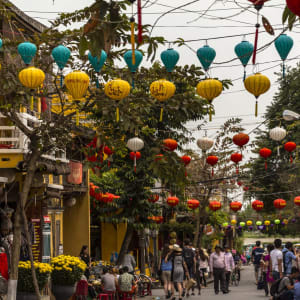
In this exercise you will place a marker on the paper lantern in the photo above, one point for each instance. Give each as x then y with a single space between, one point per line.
233 222
1 43
257 85
279 203
135 144
172 201
236 158
244 52
258 4
117 89
257 205
294 6
193 204
283 45
240 139
297 200
206 56
290 147
239 183
133 66
186 160
215 205
225 224
242 224
246 188
97 62
277 134
209 89
61 55
162 90
108 152
265 153
212 160
170 144
235 206
27 51
77 83
153 198
205 143
169 58
267 223
249 223
277 221
258 223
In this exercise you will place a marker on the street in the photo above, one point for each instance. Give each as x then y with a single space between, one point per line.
246 289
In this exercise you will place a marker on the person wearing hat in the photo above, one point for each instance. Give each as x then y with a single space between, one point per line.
179 268
217 267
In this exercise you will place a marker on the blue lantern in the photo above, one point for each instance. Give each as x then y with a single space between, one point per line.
27 51
169 58
61 54
206 55
96 61
128 59
283 45
244 51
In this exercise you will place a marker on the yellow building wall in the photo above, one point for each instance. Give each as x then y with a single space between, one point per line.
112 237
76 226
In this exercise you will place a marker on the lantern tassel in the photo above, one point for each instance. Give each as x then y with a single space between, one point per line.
237 170
266 165
132 39
61 80
210 113
185 173
255 44
161 115
291 159
97 83
283 70
212 172
140 28
244 74
44 104
134 163
31 103
77 117
117 114
278 151
256 108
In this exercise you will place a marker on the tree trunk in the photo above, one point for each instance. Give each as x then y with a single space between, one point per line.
196 237
142 252
125 244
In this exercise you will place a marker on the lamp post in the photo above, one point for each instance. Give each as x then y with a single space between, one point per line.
289 115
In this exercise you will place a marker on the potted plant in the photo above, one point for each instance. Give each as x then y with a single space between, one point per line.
25 283
67 270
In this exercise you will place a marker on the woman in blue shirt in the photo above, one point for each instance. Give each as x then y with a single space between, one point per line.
166 270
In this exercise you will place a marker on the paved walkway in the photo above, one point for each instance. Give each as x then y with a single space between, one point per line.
246 290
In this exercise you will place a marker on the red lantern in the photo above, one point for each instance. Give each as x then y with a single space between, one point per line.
297 200
241 139
170 144
108 152
153 198
239 183
172 201
257 205
258 4
279 203
294 6
265 153
193 203
215 205
212 160
159 219
235 206
186 160
236 158
290 147
135 156
245 188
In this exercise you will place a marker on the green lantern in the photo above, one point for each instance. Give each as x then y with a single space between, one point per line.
277 221
242 224
258 223
225 224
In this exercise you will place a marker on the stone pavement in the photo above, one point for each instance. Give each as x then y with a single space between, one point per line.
246 290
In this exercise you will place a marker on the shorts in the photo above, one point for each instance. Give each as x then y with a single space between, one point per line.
166 276
256 268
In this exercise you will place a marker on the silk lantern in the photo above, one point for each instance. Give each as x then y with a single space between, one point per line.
77 83
212 160
242 224
235 206
97 62
154 197
170 144
283 45
27 51
108 152
205 143
249 223
169 58
258 223
257 85
265 153
240 139
279 203
193 204
244 51
135 156
206 56
117 89
236 158
277 221
277 134
135 144
297 200
172 201
290 147
32 78
133 65
209 89
294 6
233 222
61 55
186 160
257 205
162 90
215 205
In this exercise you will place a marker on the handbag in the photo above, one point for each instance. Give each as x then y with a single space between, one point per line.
190 283
3 286
261 283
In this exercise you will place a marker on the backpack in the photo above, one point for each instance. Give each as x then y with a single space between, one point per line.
274 290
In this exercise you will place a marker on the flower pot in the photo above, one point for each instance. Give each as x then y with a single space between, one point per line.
63 292
26 296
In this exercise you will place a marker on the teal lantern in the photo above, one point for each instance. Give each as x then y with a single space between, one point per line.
169 58
1 43
27 51
244 51
61 54
128 59
206 55
97 62
283 45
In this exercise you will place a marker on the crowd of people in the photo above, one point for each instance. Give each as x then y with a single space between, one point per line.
276 270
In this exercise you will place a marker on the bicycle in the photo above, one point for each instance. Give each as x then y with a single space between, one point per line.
144 284
235 276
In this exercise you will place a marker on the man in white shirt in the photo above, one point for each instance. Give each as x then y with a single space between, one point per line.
276 264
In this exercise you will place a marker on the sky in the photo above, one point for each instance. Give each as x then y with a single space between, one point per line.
214 21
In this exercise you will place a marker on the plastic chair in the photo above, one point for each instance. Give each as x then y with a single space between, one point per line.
82 290
125 296
105 296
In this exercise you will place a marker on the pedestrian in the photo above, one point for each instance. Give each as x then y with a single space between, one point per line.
237 262
288 257
203 265
84 256
179 268
229 267
165 266
276 264
297 289
217 267
189 259
257 254
129 262
268 280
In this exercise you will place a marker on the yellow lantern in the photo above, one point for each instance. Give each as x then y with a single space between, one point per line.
209 89
267 223
249 223
233 222
162 90
117 89
31 78
77 83
257 85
